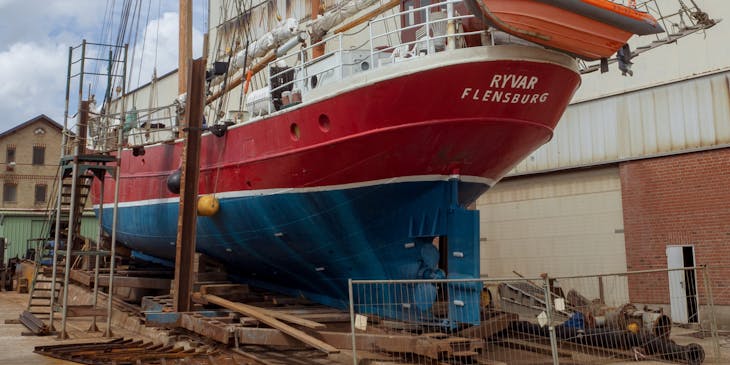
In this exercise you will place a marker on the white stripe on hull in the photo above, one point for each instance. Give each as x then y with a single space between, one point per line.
268 192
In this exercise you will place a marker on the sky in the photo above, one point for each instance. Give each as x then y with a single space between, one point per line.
35 36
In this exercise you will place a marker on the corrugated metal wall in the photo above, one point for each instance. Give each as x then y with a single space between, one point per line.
563 224
18 229
682 116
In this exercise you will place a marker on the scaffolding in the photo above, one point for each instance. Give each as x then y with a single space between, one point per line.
78 168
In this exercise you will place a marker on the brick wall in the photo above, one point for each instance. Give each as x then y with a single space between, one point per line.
25 174
677 200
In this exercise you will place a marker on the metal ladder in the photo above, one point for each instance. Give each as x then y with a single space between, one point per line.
71 200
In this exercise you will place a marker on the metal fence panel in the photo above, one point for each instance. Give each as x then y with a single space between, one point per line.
601 319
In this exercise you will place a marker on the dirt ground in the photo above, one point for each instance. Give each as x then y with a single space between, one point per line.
16 349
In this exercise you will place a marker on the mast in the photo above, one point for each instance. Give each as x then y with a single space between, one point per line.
185 44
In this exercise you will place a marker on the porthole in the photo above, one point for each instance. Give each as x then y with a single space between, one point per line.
294 131
324 122
313 81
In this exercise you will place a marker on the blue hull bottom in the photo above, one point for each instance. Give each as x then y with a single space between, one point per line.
310 243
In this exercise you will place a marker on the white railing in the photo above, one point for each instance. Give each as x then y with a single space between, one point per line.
431 36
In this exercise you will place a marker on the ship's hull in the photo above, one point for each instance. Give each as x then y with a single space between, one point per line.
357 180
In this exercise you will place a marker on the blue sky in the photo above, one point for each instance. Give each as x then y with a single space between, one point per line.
35 36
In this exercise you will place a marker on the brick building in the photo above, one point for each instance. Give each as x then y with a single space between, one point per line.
28 167
30 164
681 201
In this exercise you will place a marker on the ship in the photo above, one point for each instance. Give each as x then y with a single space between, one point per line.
363 162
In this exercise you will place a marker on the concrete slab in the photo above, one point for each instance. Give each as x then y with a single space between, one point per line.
16 349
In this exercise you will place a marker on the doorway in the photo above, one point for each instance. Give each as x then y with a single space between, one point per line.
682 284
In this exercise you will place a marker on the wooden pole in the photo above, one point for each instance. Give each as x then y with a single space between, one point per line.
185 45
187 216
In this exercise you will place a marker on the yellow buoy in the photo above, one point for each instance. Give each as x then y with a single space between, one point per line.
633 327
207 205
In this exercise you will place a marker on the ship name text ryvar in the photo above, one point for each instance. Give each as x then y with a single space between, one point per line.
519 86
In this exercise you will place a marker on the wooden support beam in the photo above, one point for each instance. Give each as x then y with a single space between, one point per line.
267 319
286 317
218 289
85 311
489 327
86 278
392 343
185 46
185 245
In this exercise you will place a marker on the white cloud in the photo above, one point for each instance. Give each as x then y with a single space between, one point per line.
33 59
33 82
162 46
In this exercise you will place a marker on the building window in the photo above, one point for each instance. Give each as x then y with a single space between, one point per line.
40 193
39 155
10 156
10 192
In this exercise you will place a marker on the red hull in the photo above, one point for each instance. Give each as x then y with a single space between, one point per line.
476 118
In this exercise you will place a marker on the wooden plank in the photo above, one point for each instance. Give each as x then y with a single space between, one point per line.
190 171
424 346
81 277
274 314
85 311
532 347
202 326
210 276
273 322
326 317
218 289
135 282
489 327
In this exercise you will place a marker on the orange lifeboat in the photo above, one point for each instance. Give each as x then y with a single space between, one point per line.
589 29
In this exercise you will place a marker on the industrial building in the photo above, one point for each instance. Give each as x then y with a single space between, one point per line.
636 177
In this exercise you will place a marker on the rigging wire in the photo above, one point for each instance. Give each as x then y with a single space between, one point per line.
133 37
101 40
144 42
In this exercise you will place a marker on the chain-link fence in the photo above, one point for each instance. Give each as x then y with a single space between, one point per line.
661 315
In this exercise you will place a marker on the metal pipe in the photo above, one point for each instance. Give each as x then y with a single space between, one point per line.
81 71
352 320
551 328
450 26
59 182
445 281
713 317
115 210
428 31
69 244
611 339
117 174
626 273
93 327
